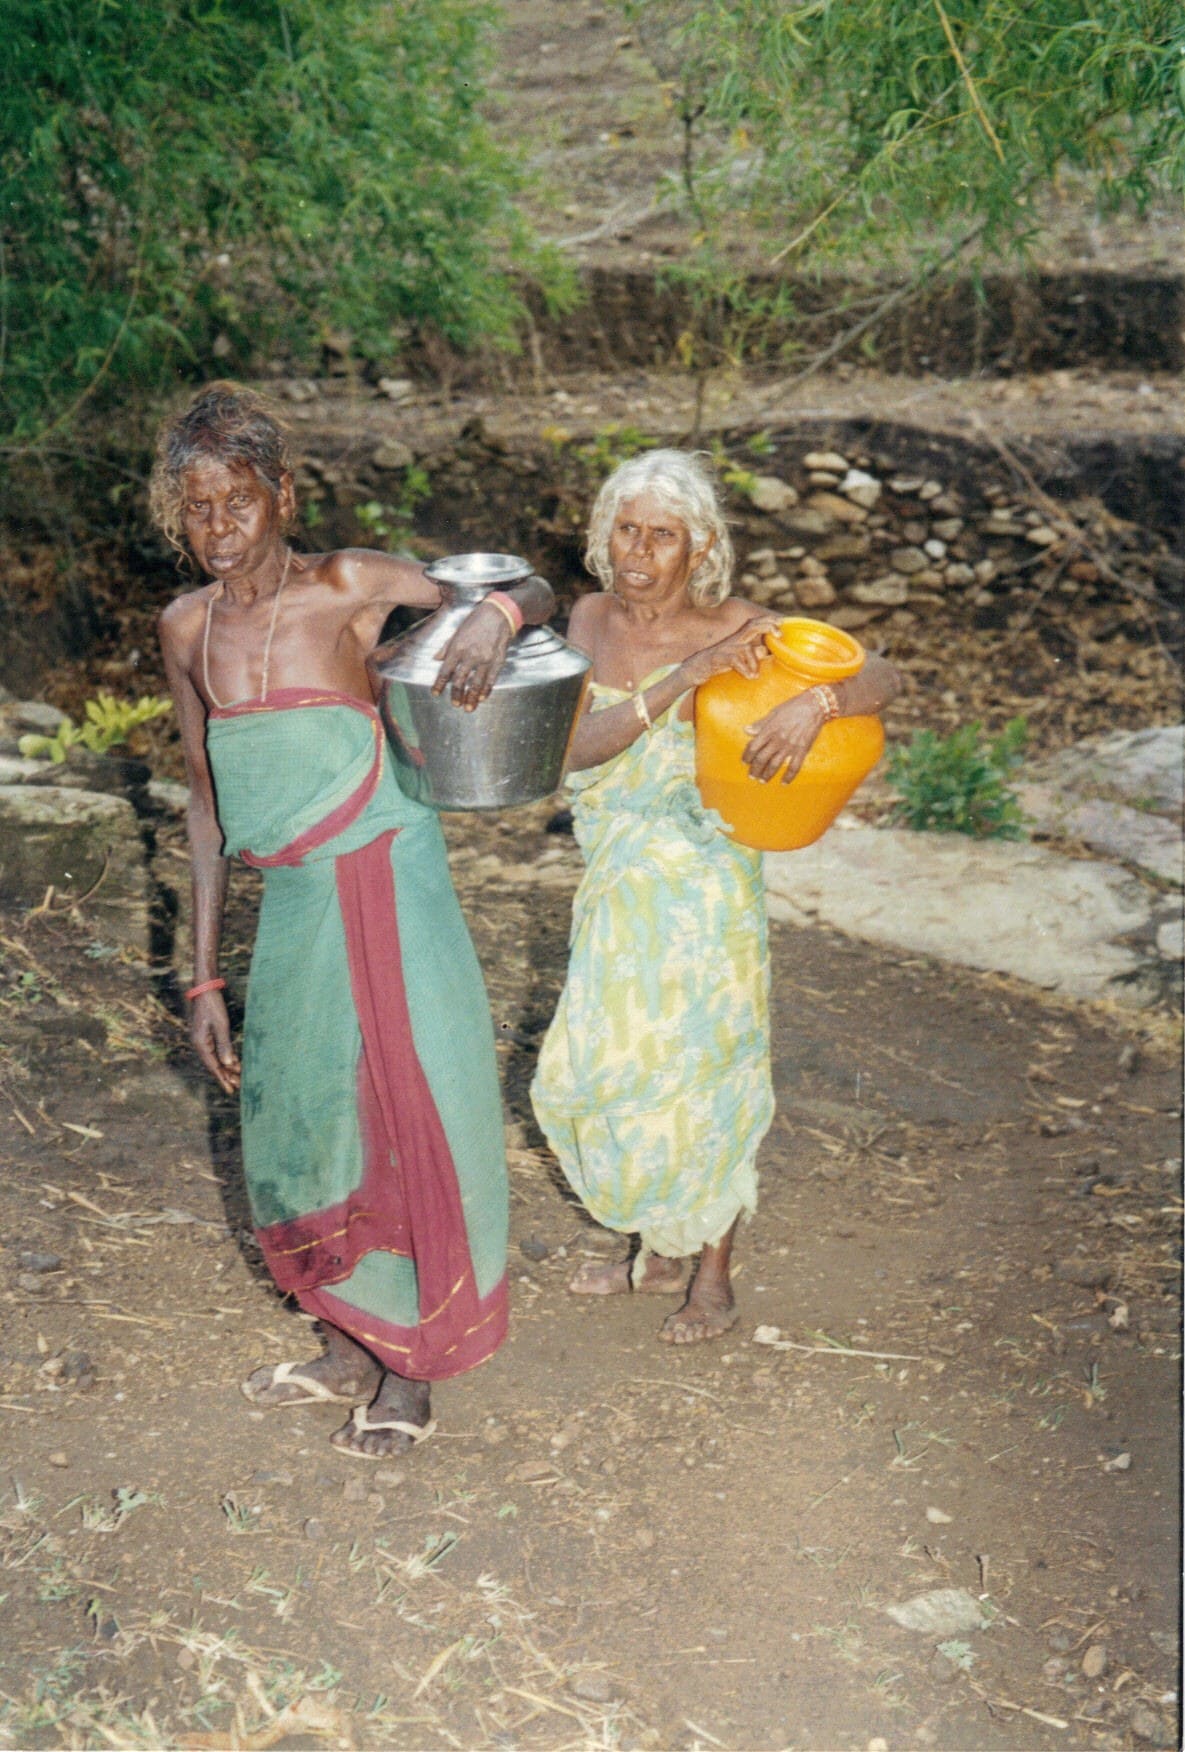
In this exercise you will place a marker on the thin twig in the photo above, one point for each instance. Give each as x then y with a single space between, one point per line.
838 1350
972 90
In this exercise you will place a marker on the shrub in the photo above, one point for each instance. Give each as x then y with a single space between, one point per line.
958 783
107 722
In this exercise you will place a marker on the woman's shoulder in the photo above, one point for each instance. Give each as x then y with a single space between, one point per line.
588 617
731 615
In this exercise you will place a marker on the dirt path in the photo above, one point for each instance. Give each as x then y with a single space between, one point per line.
608 1543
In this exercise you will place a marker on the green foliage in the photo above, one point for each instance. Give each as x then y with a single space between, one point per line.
884 132
263 174
734 474
587 465
958 783
393 521
610 446
108 721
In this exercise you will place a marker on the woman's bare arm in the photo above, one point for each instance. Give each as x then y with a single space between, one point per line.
601 735
209 1023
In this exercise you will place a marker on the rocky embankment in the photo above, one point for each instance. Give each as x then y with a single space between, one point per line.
994 595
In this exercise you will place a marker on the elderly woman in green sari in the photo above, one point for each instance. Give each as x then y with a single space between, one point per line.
371 1115
653 1084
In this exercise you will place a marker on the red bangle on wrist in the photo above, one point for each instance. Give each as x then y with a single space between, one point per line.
509 607
207 985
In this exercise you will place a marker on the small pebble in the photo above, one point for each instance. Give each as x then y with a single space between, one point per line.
533 1248
1145 1724
313 1529
1094 1661
938 1517
1121 1463
58 1458
39 1262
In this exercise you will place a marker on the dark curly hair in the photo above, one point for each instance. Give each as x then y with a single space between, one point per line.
223 423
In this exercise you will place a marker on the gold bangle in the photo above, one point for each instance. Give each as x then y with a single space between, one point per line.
828 701
641 709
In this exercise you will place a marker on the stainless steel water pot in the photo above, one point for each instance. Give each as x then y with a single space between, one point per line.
511 749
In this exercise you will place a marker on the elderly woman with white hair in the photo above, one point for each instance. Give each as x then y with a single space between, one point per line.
653 1084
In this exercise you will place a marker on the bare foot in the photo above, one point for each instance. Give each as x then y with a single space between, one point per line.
396 1419
329 1377
660 1277
698 1320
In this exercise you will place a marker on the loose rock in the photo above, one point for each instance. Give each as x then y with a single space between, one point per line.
1094 1661
941 1612
768 493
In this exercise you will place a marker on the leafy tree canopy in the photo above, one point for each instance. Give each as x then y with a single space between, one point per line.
893 129
268 171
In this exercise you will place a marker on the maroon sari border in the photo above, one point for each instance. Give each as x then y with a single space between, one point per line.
408 1201
331 825
288 699
406 1350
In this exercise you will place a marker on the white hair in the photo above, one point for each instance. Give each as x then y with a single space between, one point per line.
684 488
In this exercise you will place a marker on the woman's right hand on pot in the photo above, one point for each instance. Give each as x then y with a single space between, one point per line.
743 651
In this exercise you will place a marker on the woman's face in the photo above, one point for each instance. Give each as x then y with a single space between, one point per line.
232 521
650 552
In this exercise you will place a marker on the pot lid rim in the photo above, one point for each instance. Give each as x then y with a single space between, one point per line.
478 569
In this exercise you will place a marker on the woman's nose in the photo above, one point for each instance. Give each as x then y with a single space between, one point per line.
219 518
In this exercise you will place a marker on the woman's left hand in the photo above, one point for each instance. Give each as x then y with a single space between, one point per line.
785 736
473 656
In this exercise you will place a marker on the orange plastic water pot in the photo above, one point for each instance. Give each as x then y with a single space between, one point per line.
776 817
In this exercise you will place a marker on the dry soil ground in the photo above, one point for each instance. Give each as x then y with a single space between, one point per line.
968 1238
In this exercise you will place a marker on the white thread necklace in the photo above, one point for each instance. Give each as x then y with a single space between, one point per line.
220 590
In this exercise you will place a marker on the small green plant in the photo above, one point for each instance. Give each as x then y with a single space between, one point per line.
958 783
959 1654
107 722
99 1516
760 444
240 1517
393 521
734 474
611 445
